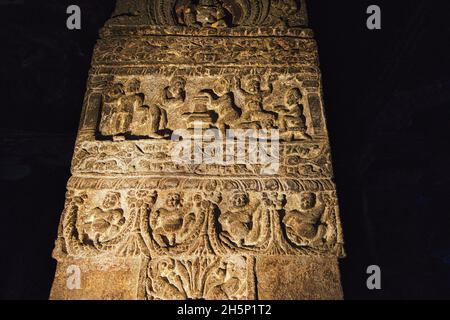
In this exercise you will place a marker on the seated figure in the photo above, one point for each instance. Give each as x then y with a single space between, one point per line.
304 226
292 121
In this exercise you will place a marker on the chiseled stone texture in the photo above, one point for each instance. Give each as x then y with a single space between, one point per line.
305 278
142 220
116 279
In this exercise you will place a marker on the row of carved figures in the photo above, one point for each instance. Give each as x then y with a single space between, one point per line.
198 223
124 112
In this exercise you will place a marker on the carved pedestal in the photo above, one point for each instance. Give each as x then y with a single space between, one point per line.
146 219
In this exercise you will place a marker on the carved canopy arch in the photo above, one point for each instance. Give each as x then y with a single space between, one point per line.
292 13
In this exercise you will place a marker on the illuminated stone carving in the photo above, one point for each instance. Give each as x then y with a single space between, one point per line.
141 225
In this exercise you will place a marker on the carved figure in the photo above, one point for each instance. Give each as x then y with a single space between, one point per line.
253 114
164 282
109 124
306 226
102 224
241 223
292 121
172 223
284 12
226 281
202 215
196 278
174 94
172 100
221 101
148 121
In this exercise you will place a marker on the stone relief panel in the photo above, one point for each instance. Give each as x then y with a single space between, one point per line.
124 112
208 277
168 71
217 51
156 106
307 160
101 223
189 223
311 220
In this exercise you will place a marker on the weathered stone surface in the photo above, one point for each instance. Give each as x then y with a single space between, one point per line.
299 278
144 218
101 279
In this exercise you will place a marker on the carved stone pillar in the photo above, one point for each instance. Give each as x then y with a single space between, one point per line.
143 222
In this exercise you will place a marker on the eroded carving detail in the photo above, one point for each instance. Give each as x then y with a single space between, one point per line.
210 278
124 113
162 69
96 224
230 103
207 13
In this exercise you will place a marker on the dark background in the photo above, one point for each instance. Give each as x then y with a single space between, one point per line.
387 97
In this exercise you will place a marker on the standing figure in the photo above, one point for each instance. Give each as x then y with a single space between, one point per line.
129 104
119 105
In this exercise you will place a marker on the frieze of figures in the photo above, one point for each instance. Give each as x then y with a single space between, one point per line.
174 223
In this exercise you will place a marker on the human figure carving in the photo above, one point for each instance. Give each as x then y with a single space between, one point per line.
172 100
172 223
252 99
305 226
110 109
292 121
123 111
105 222
221 101
241 223
175 93
148 121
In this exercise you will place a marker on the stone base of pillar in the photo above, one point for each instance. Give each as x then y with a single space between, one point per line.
274 278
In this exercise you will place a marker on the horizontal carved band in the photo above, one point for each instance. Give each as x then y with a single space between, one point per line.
184 223
198 183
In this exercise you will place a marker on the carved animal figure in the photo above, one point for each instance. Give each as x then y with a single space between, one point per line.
164 282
